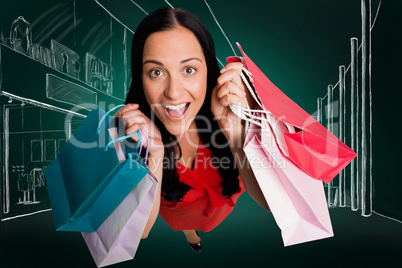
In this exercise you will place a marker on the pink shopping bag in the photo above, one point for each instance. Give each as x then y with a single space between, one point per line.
297 201
314 149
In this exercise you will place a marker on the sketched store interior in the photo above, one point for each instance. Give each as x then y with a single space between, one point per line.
54 68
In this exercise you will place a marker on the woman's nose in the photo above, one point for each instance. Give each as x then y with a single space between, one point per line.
174 89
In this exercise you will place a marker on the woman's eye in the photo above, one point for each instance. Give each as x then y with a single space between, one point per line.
189 70
155 73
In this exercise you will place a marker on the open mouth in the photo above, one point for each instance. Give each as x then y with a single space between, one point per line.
176 110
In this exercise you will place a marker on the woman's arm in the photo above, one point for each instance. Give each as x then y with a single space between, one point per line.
231 90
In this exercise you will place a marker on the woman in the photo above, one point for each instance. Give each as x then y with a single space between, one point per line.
196 142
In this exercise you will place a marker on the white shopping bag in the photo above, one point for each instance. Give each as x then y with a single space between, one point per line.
117 239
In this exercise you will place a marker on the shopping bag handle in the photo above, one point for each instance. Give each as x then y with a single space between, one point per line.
106 114
246 113
139 142
250 89
251 116
120 138
127 136
124 138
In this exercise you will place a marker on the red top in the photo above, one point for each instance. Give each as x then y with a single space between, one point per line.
204 206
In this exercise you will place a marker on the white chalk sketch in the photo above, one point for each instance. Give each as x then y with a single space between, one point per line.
99 75
65 91
64 59
27 183
41 109
114 17
167 2
353 187
220 28
21 35
146 13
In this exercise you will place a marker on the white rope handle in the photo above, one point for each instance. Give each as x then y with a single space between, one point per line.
250 89
249 115
245 113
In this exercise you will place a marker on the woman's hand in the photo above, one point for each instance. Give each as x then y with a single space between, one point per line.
135 120
229 90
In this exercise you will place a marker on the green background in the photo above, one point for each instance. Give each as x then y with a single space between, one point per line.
299 46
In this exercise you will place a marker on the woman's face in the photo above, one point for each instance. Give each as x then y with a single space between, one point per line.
174 77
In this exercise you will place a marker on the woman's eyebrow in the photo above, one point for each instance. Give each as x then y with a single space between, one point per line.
152 61
190 59
161 64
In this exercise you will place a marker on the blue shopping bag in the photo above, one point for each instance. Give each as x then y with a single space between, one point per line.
86 182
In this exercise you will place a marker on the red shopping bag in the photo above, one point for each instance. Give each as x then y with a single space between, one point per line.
314 149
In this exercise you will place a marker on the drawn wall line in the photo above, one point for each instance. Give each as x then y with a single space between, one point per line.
342 115
330 128
375 19
217 23
110 13
6 183
32 132
354 130
1 71
167 2
39 104
146 13
24 215
111 46
367 112
125 61
387 217
220 62
75 25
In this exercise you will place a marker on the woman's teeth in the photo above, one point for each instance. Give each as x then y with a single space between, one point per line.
175 107
176 110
